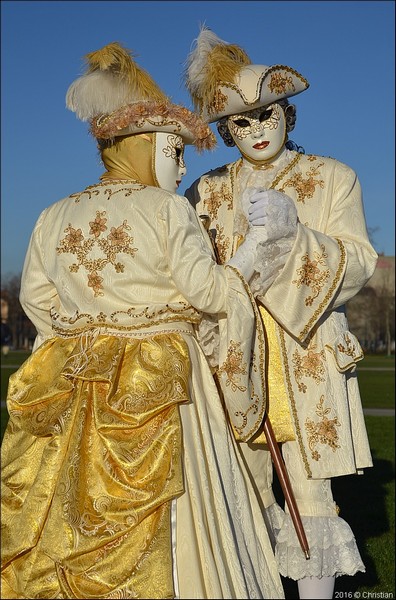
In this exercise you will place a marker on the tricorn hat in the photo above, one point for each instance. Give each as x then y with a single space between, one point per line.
119 98
222 80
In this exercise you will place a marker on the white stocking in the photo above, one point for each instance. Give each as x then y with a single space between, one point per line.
316 587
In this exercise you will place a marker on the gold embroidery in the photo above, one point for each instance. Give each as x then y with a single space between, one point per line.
257 366
233 366
117 241
181 312
305 188
323 432
310 365
280 83
133 186
281 175
350 349
311 276
292 401
222 244
329 294
218 103
216 198
252 408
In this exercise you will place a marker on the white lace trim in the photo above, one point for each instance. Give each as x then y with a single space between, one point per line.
271 258
333 549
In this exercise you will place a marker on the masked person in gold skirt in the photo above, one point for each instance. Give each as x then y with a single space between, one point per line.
316 256
121 476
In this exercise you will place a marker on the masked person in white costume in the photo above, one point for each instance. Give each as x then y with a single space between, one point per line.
316 257
120 472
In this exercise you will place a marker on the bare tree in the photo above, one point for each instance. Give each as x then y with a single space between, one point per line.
22 330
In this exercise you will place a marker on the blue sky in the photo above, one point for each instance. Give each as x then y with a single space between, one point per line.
344 49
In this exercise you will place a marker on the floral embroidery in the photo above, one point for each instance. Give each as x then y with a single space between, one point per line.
222 243
99 225
216 198
116 242
323 432
329 293
311 276
310 365
350 349
233 366
305 188
280 83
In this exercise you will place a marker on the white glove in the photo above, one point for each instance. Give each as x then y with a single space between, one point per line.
245 258
273 210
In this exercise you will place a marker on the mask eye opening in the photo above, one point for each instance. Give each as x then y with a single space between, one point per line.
265 115
242 122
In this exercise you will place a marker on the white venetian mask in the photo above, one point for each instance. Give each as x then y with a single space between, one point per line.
259 134
168 164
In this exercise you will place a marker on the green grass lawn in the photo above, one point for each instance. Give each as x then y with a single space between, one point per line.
367 502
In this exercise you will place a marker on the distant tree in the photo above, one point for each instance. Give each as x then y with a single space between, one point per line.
371 313
362 316
371 233
23 331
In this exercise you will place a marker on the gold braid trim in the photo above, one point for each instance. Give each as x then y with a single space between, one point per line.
329 294
293 402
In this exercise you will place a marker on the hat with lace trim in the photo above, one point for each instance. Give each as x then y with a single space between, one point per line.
119 98
222 80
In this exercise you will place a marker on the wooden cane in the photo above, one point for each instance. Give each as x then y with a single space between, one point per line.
284 481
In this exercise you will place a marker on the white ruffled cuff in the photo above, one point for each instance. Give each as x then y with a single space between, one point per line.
271 257
333 549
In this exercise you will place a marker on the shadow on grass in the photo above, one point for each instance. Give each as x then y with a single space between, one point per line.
362 502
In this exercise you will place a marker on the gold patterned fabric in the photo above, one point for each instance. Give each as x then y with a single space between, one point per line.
278 406
91 462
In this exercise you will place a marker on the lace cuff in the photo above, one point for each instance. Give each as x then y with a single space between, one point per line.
332 548
270 260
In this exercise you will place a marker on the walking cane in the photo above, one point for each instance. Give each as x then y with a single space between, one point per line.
273 447
284 481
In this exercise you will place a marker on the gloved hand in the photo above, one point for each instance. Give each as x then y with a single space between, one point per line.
245 258
273 210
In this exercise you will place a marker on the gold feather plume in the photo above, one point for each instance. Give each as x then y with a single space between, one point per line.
212 62
119 61
112 80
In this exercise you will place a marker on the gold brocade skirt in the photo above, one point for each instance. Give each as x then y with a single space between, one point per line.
91 460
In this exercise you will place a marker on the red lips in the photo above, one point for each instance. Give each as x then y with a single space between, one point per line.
261 145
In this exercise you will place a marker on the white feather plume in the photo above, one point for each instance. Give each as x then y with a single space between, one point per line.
196 61
97 93
113 79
